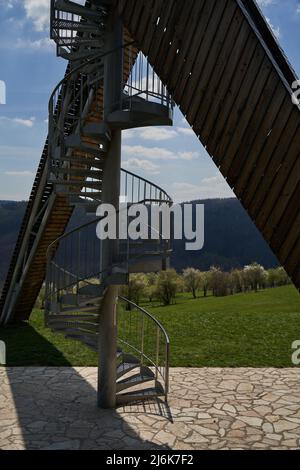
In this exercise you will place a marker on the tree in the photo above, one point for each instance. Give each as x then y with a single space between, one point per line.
192 280
236 281
277 277
218 282
254 276
205 282
151 285
136 288
272 277
282 277
167 286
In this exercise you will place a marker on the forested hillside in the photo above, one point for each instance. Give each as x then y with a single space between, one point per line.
231 240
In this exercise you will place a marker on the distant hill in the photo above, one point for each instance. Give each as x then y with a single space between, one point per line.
11 214
231 239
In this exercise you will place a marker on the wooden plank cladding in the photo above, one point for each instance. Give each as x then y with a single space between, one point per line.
232 81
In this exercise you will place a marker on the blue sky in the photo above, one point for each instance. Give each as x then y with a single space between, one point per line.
172 158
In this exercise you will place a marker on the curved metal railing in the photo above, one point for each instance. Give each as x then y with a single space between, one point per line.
74 259
74 94
136 189
141 333
143 82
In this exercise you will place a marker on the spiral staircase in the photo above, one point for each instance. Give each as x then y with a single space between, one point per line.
81 131
232 82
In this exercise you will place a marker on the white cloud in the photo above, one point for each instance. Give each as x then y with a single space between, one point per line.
145 165
19 173
7 4
43 44
158 133
275 29
19 154
185 131
38 11
265 3
151 133
208 188
22 122
157 153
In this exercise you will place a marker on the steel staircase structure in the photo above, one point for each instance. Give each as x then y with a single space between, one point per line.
75 297
83 274
101 94
225 70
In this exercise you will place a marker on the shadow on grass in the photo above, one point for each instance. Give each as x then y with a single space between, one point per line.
26 347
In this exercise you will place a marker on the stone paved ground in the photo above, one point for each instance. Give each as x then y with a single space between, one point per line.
54 408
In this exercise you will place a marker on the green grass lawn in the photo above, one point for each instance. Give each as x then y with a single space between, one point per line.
255 329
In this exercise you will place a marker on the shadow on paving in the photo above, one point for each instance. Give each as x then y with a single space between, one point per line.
56 409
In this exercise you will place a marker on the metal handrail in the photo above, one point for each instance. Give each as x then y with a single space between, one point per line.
153 185
77 229
70 75
161 329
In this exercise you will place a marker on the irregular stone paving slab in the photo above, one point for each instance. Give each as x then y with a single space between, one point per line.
210 408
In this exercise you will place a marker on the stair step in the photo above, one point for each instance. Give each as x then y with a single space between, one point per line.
74 141
89 340
74 326
130 359
97 130
90 194
72 7
79 184
96 68
79 300
79 41
87 318
90 209
118 279
91 290
88 162
89 206
126 367
133 381
80 172
71 26
141 114
76 56
88 308
140 395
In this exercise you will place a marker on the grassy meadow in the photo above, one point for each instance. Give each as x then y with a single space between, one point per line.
253 329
